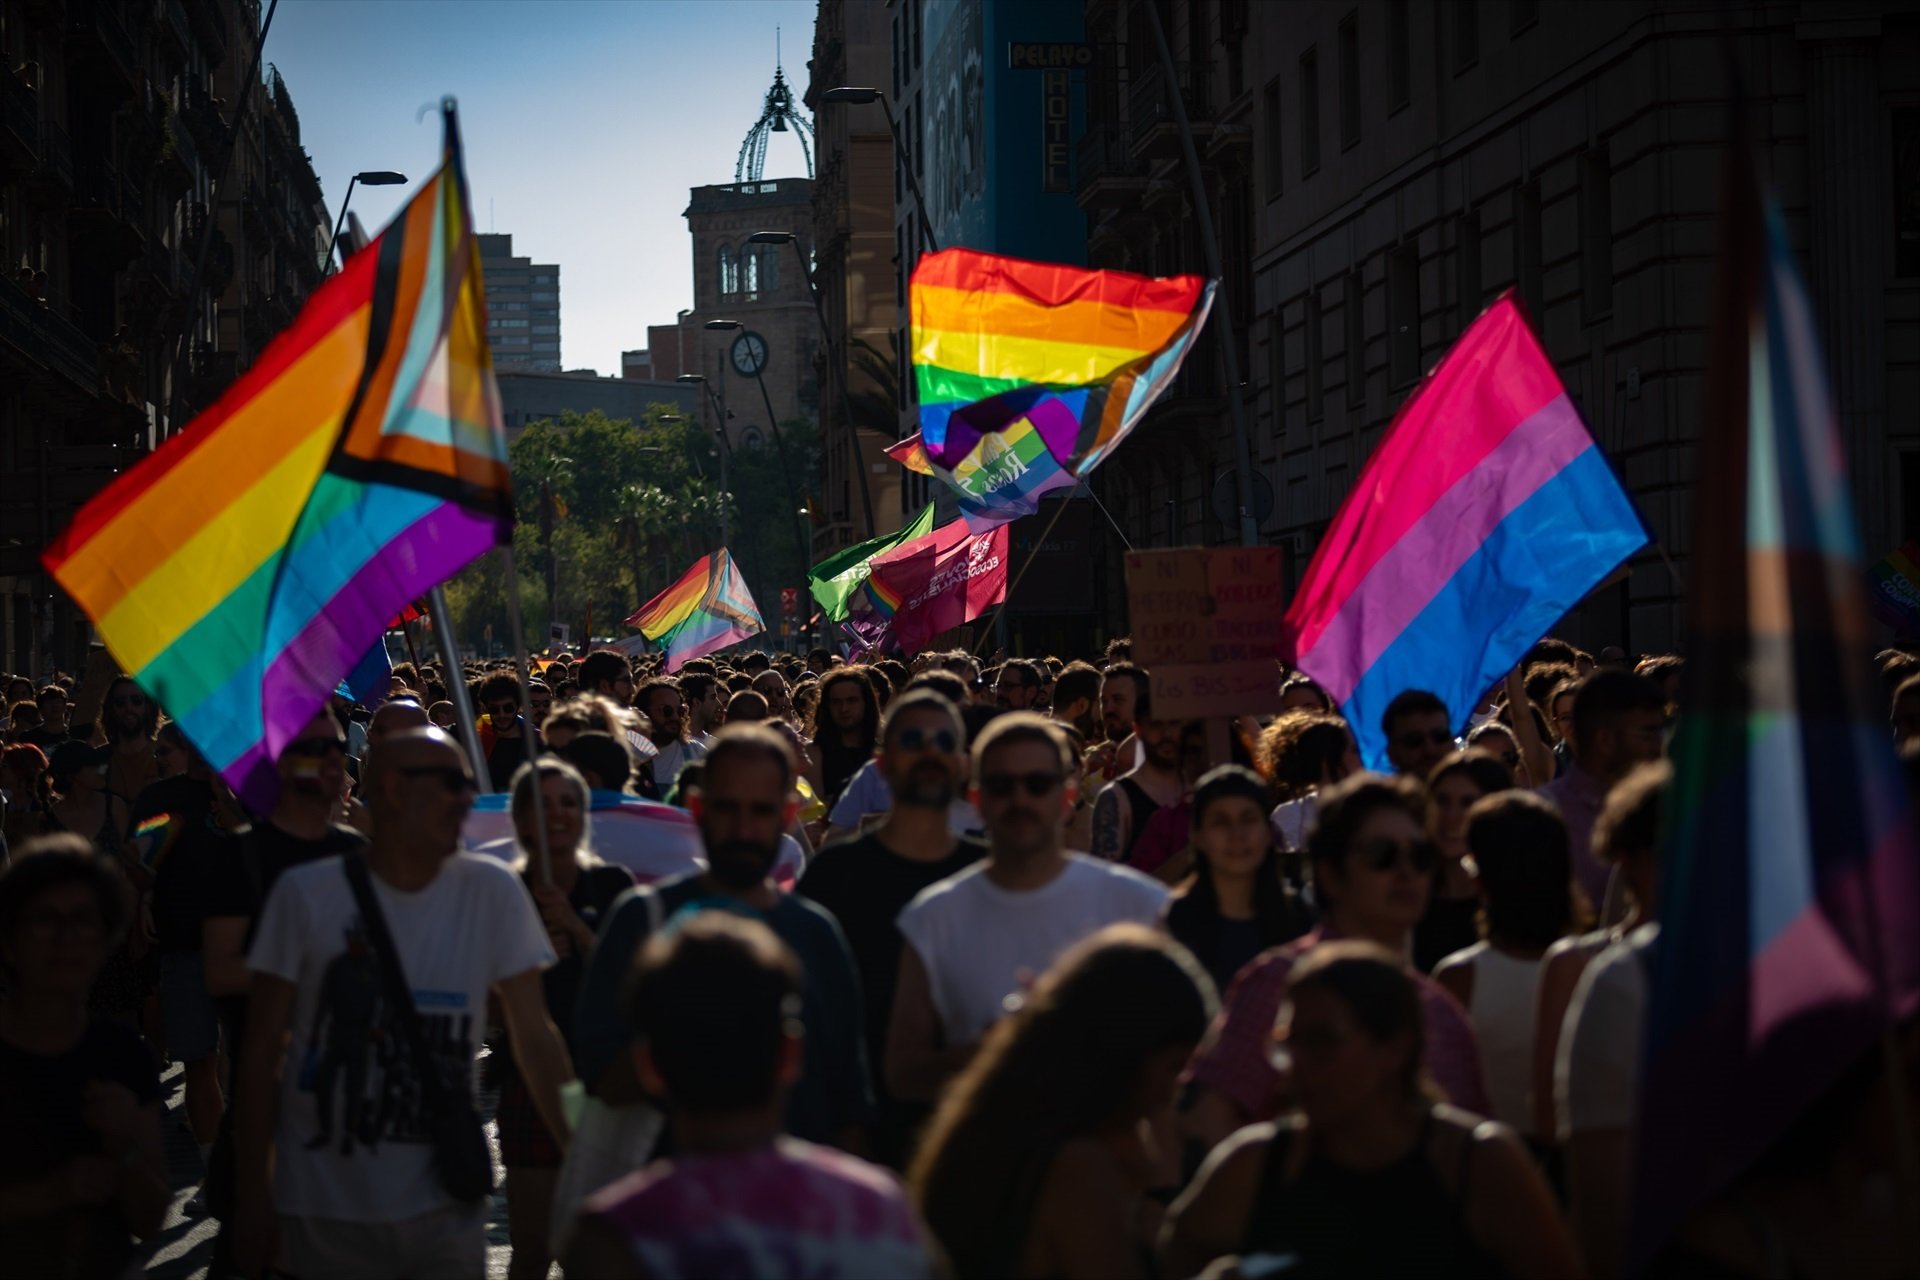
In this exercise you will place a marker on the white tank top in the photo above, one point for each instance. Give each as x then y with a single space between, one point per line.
1503 1008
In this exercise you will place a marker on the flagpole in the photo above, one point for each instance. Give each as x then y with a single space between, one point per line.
456 682
406 629
1058 510
519 638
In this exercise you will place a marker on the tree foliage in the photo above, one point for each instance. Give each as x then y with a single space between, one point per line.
610 512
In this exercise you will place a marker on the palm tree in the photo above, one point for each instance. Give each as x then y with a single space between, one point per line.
647 515
546 472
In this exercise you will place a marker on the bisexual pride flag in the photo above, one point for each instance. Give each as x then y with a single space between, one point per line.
1030 374
709 608
1790 889
242 570
1486 512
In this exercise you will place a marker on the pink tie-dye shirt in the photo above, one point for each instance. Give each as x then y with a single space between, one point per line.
788 1211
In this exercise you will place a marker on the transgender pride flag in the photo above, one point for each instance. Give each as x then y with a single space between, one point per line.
1486 512
1790 887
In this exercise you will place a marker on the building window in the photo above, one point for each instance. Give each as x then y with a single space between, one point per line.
729 272
1311 357
917 23
1466 34
1354 308
1309 113
750 270
543 280
1596 235
1466 266
1277 376
1403 313
1275 151
1399 57
769 268
546 297
1350 80
1906 191
898 60
1521 15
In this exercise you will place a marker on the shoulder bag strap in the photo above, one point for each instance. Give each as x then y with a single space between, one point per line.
375 923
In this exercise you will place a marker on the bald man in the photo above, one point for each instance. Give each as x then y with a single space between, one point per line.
339 1150
394 716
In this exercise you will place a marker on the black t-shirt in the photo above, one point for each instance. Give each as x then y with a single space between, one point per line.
865 886
180 854
508 754
240 874
592 897
40 1109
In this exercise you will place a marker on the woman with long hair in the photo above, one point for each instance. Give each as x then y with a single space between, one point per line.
1456 784
571 903
845 723
1235 904
1523 865
1040 1158
1373 1178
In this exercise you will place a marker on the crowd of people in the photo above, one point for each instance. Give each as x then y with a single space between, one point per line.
790 966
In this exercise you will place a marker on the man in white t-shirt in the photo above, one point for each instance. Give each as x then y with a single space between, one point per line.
665 707
335 1151
976 938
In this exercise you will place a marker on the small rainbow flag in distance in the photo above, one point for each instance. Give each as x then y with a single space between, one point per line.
709 608
1893 589
246 566
1031 373
1789 937
1485 513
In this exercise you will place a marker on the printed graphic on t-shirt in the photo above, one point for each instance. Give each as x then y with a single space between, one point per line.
365 1085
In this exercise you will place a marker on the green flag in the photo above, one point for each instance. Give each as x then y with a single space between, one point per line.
834 580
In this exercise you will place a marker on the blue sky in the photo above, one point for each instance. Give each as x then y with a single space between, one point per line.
586 121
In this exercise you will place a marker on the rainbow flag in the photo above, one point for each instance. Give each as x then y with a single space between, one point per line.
1893 589
1031 374
247 565
1790 892
709 608
836 580
1485 513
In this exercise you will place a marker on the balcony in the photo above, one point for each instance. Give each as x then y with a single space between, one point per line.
174 23
52 181
219 262
95 34
19 124
1156 134
182 157
203 120
1108 176
37 337
163 265
210 25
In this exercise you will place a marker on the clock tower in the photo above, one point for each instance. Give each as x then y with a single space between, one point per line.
760 287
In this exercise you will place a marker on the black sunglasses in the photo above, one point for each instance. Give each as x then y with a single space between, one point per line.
941 740
129 700
314 748
1001 785
1383 854
502 710
451 776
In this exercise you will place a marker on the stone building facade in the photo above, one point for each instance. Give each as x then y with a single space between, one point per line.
115 120
1378 170
854 272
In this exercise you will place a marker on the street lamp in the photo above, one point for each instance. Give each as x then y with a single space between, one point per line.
773 423
860 97
806 594
835 368
371 178
726 447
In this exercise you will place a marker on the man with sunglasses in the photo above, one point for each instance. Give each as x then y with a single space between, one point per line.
1419 732
337 1150
974 939
867 796
130 719
743 803
1373 865
866 881
509 740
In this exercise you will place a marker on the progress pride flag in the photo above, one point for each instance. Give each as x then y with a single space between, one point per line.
942 580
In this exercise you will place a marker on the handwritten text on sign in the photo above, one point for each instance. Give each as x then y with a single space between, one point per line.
1206 625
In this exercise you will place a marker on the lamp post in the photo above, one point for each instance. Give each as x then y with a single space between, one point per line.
726 447
806 595
779 441
697 465
860 97
835 369
371 178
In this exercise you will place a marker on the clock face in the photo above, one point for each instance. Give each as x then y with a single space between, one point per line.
750 354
